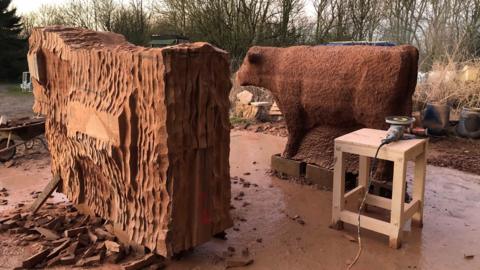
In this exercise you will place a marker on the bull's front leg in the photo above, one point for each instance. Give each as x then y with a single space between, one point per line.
295 127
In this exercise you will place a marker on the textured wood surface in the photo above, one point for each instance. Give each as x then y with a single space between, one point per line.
138 135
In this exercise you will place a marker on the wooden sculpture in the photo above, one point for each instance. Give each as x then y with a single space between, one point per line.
327 91
139 136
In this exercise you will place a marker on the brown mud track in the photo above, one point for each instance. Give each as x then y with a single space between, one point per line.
450 152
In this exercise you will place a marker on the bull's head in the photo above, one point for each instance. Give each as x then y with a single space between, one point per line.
254 70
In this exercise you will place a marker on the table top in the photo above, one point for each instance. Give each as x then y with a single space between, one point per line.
372 138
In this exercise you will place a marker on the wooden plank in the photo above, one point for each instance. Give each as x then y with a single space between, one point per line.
410 210
412 153
366 222
398 201
419 185
369 151
363 170
354 195
47 191
379 201
338 203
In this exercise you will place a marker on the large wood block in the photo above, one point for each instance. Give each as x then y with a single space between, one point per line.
139 136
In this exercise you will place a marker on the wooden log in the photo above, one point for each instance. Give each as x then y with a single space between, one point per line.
125 122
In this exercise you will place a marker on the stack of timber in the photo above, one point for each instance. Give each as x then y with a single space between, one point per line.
139 136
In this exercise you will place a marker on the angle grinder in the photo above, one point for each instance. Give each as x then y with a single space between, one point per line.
398 125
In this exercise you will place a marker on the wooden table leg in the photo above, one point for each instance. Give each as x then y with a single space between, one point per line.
398 200
363 174
419 187
338 203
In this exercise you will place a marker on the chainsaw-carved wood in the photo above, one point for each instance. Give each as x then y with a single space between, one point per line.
140 136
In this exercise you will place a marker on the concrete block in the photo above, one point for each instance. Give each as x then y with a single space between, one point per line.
319 176
287 166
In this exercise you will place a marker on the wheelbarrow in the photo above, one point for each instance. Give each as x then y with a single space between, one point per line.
20 131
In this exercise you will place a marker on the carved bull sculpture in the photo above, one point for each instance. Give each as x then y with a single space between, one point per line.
335 86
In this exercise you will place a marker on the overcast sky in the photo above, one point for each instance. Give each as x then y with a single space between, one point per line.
25 6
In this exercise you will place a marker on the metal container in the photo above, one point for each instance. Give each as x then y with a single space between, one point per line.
436 118
469 123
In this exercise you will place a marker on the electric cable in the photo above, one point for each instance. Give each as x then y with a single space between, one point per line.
360 209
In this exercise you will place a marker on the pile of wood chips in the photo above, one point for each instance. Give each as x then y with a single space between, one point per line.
66 237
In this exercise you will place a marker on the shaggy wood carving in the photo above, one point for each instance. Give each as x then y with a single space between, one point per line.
327 91
140 136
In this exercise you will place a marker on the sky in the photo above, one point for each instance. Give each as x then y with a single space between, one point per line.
25 6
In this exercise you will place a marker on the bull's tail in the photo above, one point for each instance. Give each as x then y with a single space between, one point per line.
412 81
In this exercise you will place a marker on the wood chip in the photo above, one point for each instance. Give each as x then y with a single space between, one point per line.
47 233
57 250
55 223
89 252
89 261
36 258
157 266
76 231
93 237
350 238
10 224
104 235
231 263
112 246
11 217
468 256
142 263
67 259
114 257
31 237
59 241
72 249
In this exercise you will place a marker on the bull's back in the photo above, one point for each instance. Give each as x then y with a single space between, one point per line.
338 85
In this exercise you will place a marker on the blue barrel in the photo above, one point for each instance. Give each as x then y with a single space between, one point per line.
469 123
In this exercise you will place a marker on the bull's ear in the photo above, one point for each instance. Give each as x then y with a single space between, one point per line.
254 58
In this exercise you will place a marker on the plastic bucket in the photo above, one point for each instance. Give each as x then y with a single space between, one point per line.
436 118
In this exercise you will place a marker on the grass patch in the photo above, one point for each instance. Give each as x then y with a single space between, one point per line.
447 83
234 120
14 89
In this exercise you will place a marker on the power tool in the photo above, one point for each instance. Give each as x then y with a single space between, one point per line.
398 125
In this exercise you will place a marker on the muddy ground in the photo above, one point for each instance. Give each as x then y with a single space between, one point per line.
14 102
264 224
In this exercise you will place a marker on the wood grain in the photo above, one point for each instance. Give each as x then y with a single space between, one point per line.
138 135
